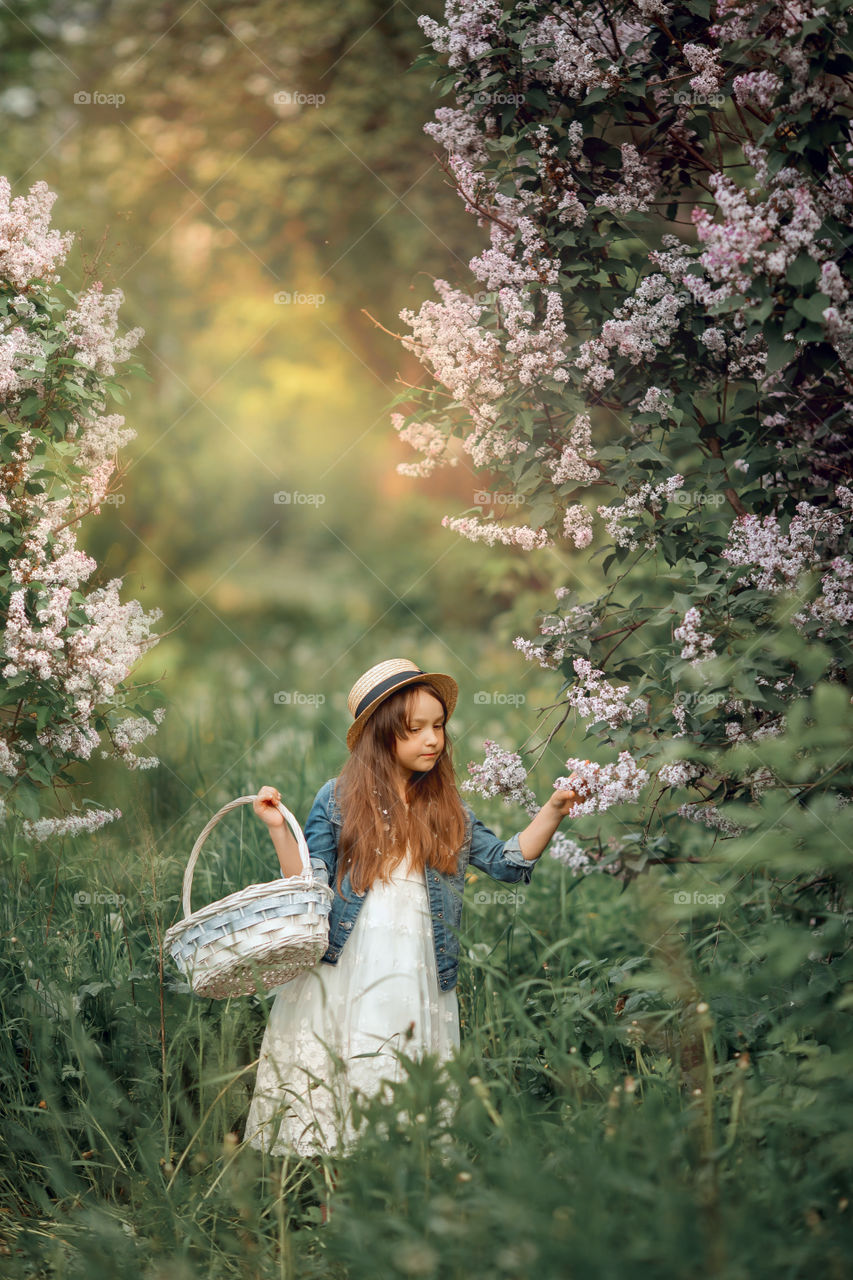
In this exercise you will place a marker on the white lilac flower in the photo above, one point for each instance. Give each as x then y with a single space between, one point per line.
501 774
91 820
710 816
569 852
696 645
603 785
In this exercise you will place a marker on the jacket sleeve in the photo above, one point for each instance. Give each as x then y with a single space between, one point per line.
321 835
501 859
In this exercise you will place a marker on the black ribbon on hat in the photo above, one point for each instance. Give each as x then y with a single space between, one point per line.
384 686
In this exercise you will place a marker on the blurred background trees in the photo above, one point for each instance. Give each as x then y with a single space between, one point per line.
227 155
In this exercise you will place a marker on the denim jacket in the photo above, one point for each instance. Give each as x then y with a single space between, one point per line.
501 859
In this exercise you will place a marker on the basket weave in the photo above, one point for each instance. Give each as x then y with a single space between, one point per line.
257 938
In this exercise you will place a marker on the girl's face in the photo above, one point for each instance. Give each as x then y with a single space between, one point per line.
419 751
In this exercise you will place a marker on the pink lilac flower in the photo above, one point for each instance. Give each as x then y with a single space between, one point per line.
679 773
758 87
710 816
458 133
604 785
471 31
92 327
491 532
29 249
570 853
595 699
577 525
10 759
709 72
656 400
130 731
428 440
642 325
571 465
501 774
637 187
696 645
573 58
561 633
648 496
775 559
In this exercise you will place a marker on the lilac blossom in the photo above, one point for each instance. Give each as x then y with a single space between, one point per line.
637 187
577 525
571 465
501 774
696 645
29 248
648 497
90 820
490 532
428 440
570 853
679 773
604 784
471 31
92 327
596 700
560 633
710 816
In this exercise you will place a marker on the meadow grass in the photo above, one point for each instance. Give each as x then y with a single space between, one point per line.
600 1126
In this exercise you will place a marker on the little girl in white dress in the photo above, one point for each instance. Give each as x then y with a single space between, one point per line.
383 994
337 1029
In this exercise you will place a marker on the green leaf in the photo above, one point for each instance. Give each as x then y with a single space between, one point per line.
813 307
802 270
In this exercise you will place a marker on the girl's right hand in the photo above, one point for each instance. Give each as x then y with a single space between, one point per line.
266 804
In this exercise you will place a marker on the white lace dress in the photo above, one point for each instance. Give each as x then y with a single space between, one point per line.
331 1029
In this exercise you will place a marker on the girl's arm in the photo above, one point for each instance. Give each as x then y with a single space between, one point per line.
533 839
265 806
514 859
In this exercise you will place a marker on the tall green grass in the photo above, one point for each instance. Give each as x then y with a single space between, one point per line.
640 1090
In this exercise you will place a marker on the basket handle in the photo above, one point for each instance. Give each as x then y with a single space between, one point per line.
232 804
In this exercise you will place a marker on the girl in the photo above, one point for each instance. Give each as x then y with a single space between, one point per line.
393 838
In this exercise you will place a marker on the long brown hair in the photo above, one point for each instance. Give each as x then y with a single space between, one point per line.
375 824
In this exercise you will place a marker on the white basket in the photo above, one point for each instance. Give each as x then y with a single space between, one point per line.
257 938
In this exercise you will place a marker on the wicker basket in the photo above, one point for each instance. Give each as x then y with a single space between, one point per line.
257 938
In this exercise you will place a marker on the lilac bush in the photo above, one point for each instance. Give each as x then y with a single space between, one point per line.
67 648
652 355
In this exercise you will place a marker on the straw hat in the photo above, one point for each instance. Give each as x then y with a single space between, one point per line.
384 679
